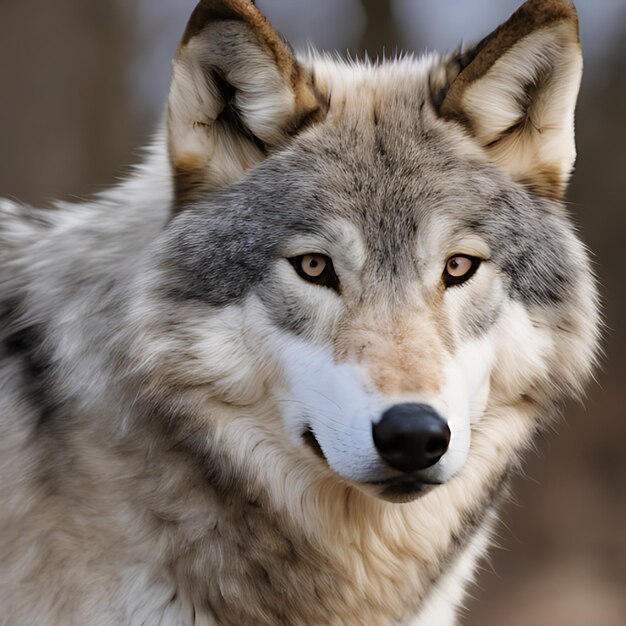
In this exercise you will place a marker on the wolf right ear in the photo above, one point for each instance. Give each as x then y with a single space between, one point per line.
236 94
516 93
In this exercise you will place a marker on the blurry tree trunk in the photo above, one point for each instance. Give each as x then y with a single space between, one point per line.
66 120
381 36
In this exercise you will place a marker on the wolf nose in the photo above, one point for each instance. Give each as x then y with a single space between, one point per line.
411 437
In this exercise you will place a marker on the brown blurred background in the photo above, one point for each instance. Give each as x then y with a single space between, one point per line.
83 86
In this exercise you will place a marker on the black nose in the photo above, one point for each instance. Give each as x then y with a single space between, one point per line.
411 437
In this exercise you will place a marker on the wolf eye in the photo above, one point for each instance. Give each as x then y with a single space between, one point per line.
316 268
459 268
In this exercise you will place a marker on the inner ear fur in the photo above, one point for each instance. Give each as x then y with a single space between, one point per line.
516 92
236 94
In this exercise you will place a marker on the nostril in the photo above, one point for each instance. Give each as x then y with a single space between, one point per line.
436 446
411 437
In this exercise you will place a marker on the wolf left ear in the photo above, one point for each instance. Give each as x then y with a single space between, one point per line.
516 93
236 94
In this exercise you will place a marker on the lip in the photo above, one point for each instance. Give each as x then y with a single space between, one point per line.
402 480
403 487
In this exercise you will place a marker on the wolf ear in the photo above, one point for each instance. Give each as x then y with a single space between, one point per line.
236 94
516 93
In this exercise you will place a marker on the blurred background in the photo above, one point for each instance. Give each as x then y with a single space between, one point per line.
83 87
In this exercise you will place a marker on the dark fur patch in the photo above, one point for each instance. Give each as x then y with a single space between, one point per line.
230 115
26 346
534 251
208 11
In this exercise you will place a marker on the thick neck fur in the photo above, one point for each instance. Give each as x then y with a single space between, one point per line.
162 521
175 538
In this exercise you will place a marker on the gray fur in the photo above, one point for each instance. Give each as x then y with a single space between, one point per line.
220 249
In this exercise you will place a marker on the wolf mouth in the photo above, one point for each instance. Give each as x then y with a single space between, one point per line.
389 488
312 442
403 486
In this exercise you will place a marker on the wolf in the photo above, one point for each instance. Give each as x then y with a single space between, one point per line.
284 372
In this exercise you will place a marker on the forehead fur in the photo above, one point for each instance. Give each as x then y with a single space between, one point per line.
385 162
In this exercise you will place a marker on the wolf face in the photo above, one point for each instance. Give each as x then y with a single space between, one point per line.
366 260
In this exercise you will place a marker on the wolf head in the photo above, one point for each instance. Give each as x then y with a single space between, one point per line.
364 262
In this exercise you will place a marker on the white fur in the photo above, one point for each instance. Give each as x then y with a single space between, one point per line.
340 404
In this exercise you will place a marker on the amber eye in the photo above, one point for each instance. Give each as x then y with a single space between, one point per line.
313 265
459 268
316 268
